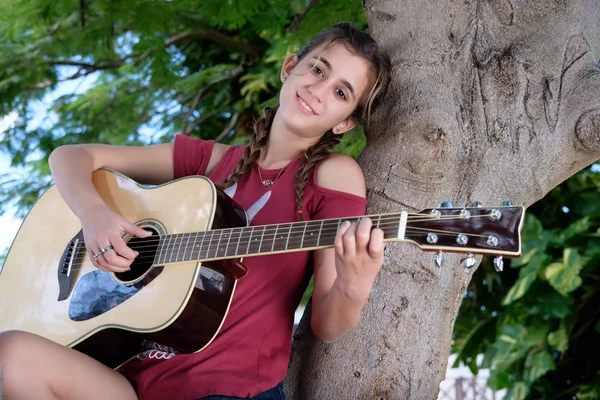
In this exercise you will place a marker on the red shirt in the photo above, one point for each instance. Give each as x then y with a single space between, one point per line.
251 352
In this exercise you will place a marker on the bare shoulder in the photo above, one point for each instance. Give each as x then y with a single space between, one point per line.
217 154
342 173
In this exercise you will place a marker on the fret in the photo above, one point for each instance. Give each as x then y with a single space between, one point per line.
303 233
200 247
219 242
186 246
173 247
261 238
249 240
288 238
295 239
274 236
166 239
310 237
280 243
320 230
212 235
378 221
191 256
159 250
226 252
238 240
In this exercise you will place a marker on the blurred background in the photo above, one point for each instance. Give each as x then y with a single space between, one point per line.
138 72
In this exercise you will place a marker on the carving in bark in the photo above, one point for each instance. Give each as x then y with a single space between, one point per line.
491 100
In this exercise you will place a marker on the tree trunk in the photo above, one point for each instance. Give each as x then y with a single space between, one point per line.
491 100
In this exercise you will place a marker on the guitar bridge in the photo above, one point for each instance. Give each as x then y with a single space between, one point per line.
71 256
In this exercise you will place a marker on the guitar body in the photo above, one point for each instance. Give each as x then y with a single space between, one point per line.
49 287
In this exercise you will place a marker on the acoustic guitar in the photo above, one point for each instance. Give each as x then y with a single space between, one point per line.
179 288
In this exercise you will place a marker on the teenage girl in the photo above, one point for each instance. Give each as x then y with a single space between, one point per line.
285 174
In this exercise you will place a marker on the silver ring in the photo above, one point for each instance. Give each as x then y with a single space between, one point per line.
106 248
95 256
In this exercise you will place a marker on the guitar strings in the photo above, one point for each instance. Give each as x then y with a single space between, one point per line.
145 256
213 248
270 230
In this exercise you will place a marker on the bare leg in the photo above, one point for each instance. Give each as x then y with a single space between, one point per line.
37 368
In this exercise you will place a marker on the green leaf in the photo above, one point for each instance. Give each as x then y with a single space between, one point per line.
536 333
559 339
589 393
518 391
527 276
474 343
564 277
550 304
498 380
537 364
576 228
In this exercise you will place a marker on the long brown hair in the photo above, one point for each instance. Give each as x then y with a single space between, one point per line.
361 44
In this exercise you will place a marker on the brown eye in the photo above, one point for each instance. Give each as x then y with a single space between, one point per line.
318 71
341 94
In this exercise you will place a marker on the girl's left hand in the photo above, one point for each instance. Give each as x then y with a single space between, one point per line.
358 255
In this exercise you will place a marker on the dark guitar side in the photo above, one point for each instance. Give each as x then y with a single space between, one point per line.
202 316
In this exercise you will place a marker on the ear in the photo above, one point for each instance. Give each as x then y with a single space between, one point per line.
344 126
288 65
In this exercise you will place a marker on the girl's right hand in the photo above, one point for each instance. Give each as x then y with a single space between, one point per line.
104 229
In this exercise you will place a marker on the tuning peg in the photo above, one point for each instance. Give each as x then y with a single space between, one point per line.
446 204
498 264
439 259
506 203
477 204
468 262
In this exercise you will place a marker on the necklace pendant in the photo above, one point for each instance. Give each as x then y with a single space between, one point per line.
267 183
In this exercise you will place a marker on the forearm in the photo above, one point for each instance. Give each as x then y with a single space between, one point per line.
72 168
339 311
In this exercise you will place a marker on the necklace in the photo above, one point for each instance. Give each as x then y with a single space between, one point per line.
269 182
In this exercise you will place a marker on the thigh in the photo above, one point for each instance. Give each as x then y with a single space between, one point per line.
35 367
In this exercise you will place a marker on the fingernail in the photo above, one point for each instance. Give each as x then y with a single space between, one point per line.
346 223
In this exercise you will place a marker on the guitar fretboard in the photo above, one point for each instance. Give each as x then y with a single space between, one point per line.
264 239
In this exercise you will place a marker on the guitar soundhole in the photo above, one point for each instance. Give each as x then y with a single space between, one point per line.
147 248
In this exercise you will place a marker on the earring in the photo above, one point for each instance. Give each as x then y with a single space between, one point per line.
284 78
337 130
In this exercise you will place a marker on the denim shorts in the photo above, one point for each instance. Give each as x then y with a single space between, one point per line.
272 394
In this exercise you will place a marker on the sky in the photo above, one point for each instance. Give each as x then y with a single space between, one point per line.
9 225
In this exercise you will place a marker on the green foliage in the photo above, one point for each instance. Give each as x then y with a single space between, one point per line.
537 322
140 71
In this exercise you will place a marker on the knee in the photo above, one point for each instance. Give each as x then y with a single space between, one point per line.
12 346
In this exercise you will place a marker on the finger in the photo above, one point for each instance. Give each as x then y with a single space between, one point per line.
376 244
95 262
137 231
338 244
121 249
109 266
349 240
363 234
114 260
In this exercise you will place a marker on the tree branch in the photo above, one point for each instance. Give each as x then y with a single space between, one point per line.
296 23
229 127
215 37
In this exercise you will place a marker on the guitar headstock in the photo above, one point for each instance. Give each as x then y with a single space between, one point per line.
477 230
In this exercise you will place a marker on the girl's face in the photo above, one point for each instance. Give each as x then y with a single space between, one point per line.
321 91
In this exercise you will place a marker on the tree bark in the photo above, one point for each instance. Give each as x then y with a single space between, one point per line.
491 100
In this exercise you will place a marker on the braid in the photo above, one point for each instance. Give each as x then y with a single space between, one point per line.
312 156
252 152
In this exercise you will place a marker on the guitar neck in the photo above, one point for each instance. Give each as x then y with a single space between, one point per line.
261 240
491 231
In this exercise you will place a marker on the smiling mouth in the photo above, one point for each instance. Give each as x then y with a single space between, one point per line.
305 105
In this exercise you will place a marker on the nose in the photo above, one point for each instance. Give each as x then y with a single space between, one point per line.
318 90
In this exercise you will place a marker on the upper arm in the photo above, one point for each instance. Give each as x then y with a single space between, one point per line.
151 164
341 173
